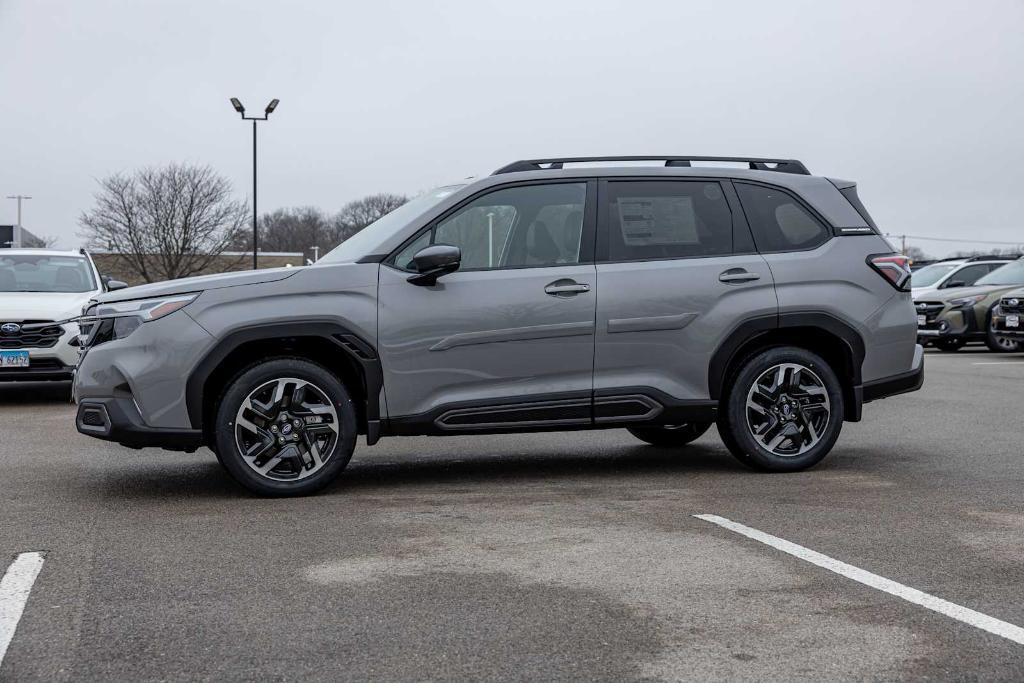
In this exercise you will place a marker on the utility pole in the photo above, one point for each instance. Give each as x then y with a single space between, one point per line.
266 114
904 250
316 253
16 242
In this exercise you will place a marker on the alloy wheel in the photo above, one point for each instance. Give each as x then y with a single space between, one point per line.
788 409
286 429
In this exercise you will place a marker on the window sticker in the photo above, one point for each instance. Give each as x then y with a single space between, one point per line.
657 220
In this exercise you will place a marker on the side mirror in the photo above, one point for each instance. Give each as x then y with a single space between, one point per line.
954 283
113 285
434 261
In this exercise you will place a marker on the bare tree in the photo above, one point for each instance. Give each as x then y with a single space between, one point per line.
167 222
291 229
39 242
357 214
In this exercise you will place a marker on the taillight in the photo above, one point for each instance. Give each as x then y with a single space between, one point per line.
893 267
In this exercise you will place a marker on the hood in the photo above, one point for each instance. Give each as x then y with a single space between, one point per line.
960 292
18 306
199 284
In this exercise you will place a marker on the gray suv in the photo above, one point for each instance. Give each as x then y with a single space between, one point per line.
555 294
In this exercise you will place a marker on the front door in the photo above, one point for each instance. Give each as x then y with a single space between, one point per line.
507 341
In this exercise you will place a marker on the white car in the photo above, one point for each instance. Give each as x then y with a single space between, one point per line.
953 273
39 286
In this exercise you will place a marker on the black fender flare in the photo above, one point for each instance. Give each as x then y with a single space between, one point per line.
347 341
751 329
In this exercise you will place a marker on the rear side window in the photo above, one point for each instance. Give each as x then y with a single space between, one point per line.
779 222
967 276
666 219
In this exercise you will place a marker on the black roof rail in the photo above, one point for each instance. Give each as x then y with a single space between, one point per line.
754 163
996 257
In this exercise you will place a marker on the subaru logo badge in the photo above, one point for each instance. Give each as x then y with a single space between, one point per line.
10 328
1013 302
921 307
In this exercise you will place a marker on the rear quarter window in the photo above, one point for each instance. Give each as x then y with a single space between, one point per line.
779 221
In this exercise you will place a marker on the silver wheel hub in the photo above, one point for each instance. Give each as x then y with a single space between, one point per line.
788 409
286 429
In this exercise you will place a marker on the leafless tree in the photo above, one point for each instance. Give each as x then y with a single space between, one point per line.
39 242
357 214
167 222
291 229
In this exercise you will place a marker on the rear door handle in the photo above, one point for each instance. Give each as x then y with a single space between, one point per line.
738 275
566 288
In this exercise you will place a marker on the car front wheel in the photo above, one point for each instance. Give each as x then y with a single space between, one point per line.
285 427
784 411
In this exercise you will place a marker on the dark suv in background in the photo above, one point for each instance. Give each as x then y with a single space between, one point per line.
550 295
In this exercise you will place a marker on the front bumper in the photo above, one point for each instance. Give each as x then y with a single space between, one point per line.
957 323
118 419
999 323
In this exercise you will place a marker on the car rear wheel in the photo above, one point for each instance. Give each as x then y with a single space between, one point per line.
784 411
997 343
671 436
285 427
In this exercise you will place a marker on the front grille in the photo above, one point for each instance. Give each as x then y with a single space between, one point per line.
1009 307
37 338
929 309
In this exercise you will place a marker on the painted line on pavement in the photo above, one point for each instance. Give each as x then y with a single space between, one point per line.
1001 362
14 589
966 615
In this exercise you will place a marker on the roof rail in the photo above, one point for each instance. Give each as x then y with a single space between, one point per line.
995 257
755 164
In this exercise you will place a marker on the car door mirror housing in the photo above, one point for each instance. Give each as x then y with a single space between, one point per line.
434 261
954 283
113 285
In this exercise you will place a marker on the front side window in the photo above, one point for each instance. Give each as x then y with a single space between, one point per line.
666 219
45 273
515 227
778 221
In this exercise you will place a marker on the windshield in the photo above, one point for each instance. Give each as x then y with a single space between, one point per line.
1010 274
929 275
355 247
45 273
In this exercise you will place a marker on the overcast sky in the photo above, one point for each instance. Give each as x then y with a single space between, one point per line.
922 103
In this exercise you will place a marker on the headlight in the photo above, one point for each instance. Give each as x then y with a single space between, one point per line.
116 320
966 301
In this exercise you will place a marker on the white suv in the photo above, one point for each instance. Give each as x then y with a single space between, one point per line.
38 289
954 273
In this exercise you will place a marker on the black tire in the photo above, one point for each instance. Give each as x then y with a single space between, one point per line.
326 387
671 437
808 427
996 343
949 345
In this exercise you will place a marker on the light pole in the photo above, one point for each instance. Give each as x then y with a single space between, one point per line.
16 237
266 113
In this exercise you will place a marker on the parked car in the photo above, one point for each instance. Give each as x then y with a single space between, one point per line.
953 318
548 296
954 273
39 288
1008 316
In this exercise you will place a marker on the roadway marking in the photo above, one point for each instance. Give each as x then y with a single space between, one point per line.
14 590
1001 362
952 610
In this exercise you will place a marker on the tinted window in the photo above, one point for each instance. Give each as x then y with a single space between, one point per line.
516 227
666 219
778 220
967 275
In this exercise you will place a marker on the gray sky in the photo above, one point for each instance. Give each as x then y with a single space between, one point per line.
920 102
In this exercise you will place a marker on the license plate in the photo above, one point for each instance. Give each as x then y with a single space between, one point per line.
921 321
13 359
1013 321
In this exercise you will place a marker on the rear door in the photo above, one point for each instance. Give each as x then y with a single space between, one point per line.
507 341
676 273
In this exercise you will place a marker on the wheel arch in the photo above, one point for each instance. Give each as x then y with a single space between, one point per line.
347 354
839 344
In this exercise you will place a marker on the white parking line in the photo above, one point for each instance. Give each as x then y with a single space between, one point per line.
964 614
14 590
1001 362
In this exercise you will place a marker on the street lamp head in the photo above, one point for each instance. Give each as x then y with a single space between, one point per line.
272 106
237 105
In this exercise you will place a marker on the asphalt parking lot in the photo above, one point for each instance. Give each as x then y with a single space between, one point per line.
550 556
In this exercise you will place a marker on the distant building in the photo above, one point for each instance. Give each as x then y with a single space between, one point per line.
114 265
28 240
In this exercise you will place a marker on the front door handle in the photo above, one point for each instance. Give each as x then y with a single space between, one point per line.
566 287
738 275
